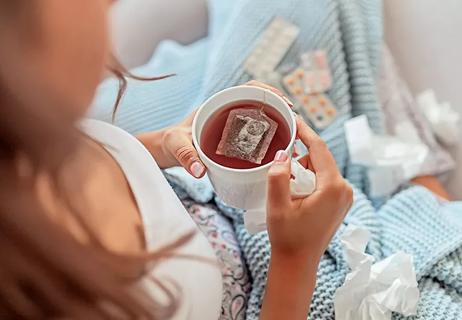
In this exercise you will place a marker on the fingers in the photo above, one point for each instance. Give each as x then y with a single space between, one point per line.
272 89
279 182
179 145
321 159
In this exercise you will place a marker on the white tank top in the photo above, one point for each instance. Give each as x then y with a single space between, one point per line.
164 219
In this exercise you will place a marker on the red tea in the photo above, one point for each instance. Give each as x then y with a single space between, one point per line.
213 129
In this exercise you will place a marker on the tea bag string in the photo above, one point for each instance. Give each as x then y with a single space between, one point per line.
264 102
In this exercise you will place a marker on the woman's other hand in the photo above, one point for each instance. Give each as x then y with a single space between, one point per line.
306 226
300 230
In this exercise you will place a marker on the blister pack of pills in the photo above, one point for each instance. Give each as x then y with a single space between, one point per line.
271 48
306 82
317 108
313 75
318 76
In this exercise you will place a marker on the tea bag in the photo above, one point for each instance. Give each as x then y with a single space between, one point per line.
247 135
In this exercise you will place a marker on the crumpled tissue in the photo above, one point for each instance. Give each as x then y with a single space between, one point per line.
444 120
391 160
372 291
302 185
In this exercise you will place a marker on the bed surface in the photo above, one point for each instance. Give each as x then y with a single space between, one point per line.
420 33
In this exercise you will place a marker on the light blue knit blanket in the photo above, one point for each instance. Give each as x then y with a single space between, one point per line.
413 221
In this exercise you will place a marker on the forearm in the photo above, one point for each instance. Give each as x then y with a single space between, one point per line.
290 286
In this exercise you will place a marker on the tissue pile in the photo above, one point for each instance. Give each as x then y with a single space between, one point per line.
444 120
391 160
372 291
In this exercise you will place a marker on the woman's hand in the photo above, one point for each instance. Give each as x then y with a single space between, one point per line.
300 230
173 147
306 225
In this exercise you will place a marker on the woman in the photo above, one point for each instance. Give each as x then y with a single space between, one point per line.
82 210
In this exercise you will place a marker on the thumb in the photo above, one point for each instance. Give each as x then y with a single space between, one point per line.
184 152
279 181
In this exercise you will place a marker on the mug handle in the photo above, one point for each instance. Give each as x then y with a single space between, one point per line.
303 184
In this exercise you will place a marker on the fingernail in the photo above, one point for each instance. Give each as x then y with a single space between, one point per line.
288 101
197 169
281 156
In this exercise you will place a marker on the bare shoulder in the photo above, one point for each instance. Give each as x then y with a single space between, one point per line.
93 186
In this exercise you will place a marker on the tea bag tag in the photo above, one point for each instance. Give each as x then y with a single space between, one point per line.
303 184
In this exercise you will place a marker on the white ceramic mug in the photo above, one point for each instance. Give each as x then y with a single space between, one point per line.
240 188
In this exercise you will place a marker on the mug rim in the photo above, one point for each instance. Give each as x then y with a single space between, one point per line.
236 170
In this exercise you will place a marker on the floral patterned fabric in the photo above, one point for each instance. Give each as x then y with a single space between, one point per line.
221 235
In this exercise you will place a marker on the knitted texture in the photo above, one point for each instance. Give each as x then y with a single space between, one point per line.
413 221
351 32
